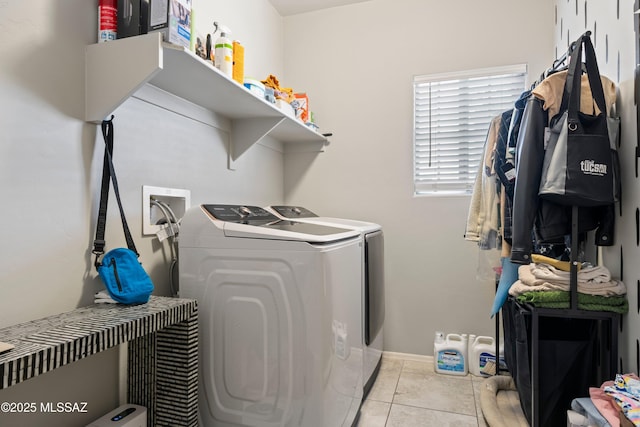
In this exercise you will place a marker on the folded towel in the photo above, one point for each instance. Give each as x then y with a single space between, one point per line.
561 299
595 274
540 277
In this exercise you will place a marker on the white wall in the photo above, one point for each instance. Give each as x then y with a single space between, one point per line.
50 164
357 63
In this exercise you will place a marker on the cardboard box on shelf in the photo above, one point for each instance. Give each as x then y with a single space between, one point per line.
173 19
303 107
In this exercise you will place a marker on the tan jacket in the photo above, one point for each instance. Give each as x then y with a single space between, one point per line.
482 218
550 91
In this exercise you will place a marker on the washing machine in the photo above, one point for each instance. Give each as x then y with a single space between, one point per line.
373 280
280 320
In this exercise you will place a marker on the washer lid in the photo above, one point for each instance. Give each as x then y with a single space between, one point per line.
258 223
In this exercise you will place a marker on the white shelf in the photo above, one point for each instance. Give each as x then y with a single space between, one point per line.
116 70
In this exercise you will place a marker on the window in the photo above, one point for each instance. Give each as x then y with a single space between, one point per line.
452 113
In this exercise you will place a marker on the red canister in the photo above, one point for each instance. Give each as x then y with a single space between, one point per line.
107 20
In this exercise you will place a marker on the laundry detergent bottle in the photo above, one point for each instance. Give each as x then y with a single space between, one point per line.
450 354
223 51
481 351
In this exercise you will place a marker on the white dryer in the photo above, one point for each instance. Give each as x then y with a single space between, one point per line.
280 328
373 280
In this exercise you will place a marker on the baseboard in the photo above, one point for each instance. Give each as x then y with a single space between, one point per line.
407 356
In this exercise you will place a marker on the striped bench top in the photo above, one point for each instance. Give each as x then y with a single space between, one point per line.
51 342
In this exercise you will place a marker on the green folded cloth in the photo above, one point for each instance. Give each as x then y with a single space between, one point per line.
562 299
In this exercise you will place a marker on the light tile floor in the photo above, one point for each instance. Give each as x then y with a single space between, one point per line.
408 393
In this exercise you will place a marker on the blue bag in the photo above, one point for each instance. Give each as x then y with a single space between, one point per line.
124 277
122 274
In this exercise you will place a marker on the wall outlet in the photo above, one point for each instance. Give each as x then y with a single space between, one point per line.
179 200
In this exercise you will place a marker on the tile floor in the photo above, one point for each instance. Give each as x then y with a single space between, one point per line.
408 393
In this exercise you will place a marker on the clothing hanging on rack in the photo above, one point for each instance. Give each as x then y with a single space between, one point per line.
526 223
549 221
560 326
483 217
550 92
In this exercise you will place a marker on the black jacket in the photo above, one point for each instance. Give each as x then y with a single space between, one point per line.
539 219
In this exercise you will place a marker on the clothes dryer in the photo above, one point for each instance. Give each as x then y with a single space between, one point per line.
373 280
279 324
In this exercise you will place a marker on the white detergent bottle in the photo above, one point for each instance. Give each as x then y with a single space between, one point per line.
223 51
450 355
472 339
481 351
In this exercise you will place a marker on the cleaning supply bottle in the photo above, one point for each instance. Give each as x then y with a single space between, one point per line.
238 62
223 51
481 352
107 20
438 340
450 354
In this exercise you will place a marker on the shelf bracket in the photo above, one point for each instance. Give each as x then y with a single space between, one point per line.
109 77
246 132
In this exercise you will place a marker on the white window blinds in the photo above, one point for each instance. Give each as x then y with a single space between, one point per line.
452 113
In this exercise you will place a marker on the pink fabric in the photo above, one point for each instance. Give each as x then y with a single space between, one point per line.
605 404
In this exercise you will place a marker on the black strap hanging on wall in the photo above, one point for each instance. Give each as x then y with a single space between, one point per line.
109 174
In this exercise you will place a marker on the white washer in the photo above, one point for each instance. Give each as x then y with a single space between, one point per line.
280 329
373 281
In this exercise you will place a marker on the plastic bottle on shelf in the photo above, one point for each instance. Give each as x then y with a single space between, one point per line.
238 62
450 354
223 51
107 20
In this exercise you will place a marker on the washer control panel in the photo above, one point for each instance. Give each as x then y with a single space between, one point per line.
240 213
293 212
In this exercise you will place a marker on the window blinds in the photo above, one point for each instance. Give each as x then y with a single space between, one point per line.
452 113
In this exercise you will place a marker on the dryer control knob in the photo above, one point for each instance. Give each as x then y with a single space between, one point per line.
296 210
244 211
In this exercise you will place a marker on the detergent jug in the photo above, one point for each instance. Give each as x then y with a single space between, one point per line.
450 354
481 351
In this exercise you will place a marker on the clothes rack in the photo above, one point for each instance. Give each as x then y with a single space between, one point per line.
563 59
543 338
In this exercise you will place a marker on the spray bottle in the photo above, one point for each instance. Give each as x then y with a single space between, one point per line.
223 50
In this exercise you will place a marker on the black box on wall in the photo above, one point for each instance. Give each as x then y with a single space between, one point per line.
133 18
